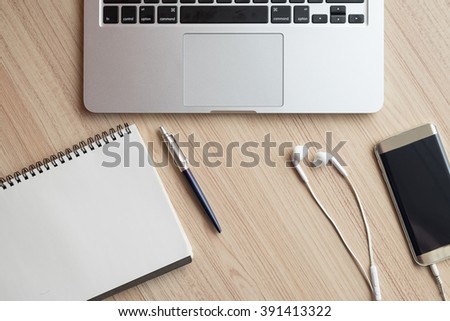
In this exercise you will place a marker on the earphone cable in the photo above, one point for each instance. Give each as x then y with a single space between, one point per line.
373 267
364 218
338 231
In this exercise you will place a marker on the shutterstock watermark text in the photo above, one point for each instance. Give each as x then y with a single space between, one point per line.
215 154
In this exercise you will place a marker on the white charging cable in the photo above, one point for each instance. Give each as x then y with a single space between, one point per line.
434 269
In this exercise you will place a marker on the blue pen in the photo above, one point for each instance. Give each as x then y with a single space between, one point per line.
183 165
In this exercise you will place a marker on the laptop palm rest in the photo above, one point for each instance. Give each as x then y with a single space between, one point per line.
233 70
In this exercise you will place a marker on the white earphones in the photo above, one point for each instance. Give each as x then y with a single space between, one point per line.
322 158
298 155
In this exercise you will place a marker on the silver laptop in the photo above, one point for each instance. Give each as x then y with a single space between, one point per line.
265 56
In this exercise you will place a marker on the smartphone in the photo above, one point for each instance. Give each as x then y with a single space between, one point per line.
417 173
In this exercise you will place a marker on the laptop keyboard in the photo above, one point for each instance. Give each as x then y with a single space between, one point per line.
132 12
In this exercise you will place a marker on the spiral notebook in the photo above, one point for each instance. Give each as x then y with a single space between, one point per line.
87 223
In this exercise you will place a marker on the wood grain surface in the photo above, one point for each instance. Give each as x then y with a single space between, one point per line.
276 243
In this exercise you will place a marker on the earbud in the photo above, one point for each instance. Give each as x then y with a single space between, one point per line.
322 158
298 154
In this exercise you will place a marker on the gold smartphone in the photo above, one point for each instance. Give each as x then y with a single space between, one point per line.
417 173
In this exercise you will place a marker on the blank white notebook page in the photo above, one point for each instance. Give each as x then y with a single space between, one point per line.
80 229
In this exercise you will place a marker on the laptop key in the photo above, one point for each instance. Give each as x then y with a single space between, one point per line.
260 1
129 14
356 18
242 1
167 14
337 18
345 1
340 10
223 1
301 14
319 18
189 1
281 14
224 14
110 14
122 1
147 14
205 1
169 1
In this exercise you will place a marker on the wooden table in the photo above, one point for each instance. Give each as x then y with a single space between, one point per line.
276 243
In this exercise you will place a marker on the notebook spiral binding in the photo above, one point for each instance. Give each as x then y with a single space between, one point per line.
47 163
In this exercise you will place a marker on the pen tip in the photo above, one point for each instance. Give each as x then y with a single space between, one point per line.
163 130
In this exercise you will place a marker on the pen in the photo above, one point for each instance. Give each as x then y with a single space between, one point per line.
182 163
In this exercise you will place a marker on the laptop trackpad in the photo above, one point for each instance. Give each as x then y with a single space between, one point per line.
233 70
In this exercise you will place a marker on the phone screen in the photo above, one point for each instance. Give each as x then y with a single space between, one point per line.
419 176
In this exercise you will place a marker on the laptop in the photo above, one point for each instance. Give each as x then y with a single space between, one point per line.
203 56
